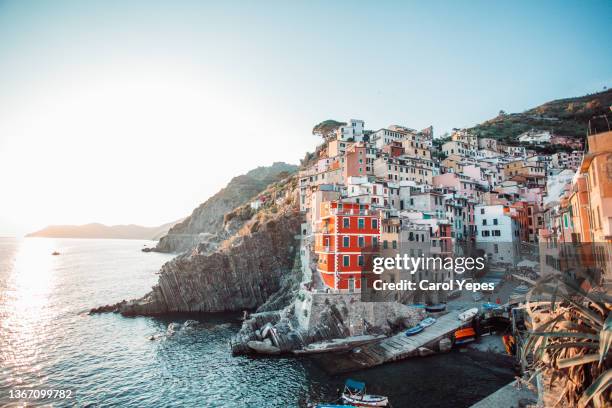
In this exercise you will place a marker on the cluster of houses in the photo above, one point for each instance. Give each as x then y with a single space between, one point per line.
368 193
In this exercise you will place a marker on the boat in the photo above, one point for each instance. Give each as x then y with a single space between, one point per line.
414 330
468 314
490 306
55 253
333 406
427 322
355 394
440 307
336 345
466 335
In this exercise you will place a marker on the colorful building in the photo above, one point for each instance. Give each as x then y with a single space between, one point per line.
347 237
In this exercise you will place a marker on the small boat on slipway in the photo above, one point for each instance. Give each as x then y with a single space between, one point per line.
464 336
427 322
440 307
414 330
468 314
355 394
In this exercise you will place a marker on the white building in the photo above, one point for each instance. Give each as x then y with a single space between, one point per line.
497 232
352 130
383 137
564 160
535 136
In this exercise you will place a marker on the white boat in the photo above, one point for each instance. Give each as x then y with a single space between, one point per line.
468 314
354 394
427 322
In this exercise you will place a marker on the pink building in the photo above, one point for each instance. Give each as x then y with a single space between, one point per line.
355 161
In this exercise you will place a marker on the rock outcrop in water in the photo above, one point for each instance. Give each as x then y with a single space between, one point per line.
206 224
254 266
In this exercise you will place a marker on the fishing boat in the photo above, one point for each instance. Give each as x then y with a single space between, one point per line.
414 330
440 307
355 394
463 336
468 314
427 322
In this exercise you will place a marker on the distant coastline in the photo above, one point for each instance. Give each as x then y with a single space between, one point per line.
97 230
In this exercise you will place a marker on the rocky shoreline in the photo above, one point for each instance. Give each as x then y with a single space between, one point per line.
243 275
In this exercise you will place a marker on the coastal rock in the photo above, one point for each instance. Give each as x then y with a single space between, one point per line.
241 275
172 328
331 316
206 224
263 347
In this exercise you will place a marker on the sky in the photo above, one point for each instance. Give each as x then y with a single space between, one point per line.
136 111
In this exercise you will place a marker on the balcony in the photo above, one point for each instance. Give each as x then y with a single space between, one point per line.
336 211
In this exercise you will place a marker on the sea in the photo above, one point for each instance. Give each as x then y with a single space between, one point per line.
48 341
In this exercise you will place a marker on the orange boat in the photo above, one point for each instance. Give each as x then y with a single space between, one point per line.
466 335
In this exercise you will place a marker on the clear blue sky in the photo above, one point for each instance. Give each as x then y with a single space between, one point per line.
126 90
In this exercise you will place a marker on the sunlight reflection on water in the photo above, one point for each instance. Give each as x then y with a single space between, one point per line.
46 341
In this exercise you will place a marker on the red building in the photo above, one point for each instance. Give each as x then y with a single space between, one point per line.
346 240
393 149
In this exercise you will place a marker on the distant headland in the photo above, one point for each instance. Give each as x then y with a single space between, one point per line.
96 230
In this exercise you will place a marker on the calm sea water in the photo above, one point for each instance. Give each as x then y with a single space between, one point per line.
47 341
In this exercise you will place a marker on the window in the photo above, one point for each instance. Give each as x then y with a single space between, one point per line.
360 260
385 245
361 223
484 222
374 242
345 242
361 242
482 211
485 233
394 244
346 222
346 260
496 233
494 221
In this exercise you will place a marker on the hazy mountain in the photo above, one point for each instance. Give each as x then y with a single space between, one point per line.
96 230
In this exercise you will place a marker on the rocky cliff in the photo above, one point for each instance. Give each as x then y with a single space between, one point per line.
206 223
245 271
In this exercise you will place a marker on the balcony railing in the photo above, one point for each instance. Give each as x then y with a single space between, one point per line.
336 211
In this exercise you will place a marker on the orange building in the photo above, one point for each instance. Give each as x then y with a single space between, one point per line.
597 166
347 237
579 209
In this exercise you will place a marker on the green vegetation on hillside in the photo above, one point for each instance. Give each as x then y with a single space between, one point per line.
563 117
326 127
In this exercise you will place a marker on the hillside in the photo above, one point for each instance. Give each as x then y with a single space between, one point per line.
563 117
96 230
206 222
